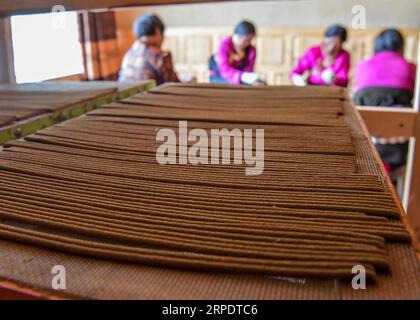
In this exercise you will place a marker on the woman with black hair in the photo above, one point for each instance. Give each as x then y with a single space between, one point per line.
326 64
145 59
235 58
387 74
387 79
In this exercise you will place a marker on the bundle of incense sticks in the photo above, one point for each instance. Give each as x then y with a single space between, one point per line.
92 186
19 104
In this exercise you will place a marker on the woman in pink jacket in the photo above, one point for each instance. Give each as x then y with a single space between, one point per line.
387 79
326 64
235 59
385 72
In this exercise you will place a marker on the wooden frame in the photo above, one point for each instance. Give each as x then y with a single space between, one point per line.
26 127
7 72
412 186
10 290
73 77
401 122
8 7
385 121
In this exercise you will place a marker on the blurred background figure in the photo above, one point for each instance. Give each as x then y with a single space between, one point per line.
326 64
387 79
146 59
235 60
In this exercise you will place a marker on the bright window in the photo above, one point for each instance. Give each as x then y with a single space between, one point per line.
46 46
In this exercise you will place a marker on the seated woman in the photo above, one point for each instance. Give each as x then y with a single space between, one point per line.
145 59
235 58
326 64
387 79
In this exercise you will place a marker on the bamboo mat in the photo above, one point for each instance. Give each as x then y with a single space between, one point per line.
91 187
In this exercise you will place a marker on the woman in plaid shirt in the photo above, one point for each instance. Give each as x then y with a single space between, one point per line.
145 59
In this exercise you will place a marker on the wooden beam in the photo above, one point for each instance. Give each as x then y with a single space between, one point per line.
7 71
23 128
411 199
8 7
401 122
389 122
416 101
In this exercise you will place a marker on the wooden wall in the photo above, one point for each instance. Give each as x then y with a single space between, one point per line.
278 48
6 52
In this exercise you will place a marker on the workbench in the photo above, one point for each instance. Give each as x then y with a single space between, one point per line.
26 269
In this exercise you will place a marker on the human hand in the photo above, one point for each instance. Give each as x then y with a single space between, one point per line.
328 76
249 78
299 80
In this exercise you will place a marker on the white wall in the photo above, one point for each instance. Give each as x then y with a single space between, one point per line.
303 13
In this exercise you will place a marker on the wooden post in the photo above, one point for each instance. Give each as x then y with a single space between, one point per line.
411 199
7 71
